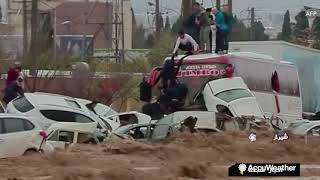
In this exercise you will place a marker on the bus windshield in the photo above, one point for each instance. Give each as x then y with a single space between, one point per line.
233 94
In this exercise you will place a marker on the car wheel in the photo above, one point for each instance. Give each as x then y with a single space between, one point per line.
30 152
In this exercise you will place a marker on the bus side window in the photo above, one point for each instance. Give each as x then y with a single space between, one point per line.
289 84
293 82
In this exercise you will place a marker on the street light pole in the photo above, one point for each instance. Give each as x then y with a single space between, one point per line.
157 20
55 34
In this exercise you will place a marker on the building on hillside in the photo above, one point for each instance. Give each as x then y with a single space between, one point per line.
75 18
306 59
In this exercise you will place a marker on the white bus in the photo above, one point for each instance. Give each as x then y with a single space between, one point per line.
255 69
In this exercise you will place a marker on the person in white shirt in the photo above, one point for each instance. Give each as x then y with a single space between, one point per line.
186 43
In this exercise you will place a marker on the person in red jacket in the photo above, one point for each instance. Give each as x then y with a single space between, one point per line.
229 71
12 75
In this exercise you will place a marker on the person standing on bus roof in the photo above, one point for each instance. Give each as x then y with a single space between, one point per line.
190 25
228 21
185 42
222 30
203 21
213 29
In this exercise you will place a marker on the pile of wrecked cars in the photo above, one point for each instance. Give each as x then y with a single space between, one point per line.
43 122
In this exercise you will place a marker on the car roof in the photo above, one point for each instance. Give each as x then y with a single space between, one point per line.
49 101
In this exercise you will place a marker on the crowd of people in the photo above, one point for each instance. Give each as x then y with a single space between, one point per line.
204 28
14 83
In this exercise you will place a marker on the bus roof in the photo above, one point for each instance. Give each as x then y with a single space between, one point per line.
208 58
203 59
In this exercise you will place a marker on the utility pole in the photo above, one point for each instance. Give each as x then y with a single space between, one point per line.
218 5
55 34
230 6
34 29
116 21
122 32
116 14
252 23
25 30
158 20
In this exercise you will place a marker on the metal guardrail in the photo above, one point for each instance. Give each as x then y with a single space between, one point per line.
68 74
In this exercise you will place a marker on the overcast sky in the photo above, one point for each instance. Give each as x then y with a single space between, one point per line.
263 7
3 4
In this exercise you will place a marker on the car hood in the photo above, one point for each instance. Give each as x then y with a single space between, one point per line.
114 125
246 107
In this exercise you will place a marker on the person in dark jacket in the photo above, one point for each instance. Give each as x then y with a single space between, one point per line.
190 25
168 73
145 90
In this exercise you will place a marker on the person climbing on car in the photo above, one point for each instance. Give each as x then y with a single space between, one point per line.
186 43
13 73
13 90
145 90
167 73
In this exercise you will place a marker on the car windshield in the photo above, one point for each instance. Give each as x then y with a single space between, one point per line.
234 94
22 104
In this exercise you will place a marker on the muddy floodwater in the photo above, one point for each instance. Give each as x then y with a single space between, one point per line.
184 156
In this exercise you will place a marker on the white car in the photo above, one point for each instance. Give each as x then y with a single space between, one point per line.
232 96
63 135
52 108
307 128
20 135
205 121
136 131
132 117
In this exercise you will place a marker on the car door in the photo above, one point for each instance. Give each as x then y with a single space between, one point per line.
61 139
2 140
15 137
138 132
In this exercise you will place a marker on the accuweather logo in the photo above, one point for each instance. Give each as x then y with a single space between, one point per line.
248 169
242 168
